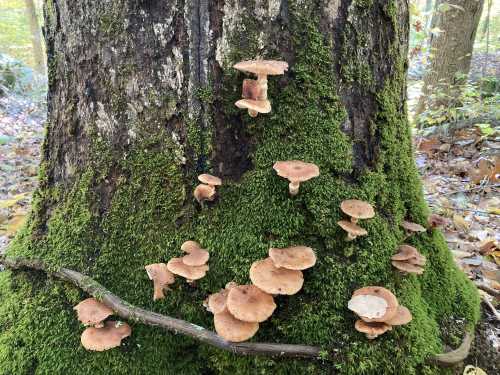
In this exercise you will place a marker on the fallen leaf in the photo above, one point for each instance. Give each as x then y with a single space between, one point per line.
14 224
6 203
473 370
460 223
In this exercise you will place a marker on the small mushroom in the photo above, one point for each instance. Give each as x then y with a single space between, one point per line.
254 106
161 276
273 280
436 221
372 330
411 228
190 273
210 180
405 252
250 304
217 301
403 316
92 312
108 337
357 209
232 329
293 258
296 171
196 255
262 68
353 230
204 192
374 304
407 267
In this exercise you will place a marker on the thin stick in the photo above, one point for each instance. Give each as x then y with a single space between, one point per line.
496 314
487 289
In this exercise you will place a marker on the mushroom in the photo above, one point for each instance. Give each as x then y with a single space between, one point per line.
251 90
353 230
411 228
254 106
296 171
270 279
436 221
204 192
92 312
373 304
217 301
357 209
196 255
100 339
407 267
403 316
409 260
293 258
232 329
372 330
161 276
250 304
210 180
190 273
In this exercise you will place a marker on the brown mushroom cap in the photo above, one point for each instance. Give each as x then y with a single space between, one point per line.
189 246
372 330
293 258
357 209
108 337
412 227
196 257
352 228
251 90
296 170
250 304
418 260
267 277
366 302
178 267
232 329
161 276
259 106
92 312
407 267
405 252
204 193
435 221
217 301
403 316
262 67
209 179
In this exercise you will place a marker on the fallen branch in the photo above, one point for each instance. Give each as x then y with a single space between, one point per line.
130 312
455 356
487 289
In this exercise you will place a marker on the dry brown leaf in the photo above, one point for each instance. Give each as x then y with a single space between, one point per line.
14 224
473 370
460 223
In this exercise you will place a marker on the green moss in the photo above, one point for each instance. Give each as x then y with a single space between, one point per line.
151 212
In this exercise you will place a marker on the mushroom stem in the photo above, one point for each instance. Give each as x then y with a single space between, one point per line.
262 82
294 188
354 220
252 113
350 237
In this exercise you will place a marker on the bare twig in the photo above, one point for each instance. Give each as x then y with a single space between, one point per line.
496 314
479 187
463 209
487 289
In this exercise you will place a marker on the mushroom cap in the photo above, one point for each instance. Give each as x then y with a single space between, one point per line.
296 170
108 337
405 252
357 209
178 267
403 316
196 257
92 312
262 67
418 260
372 330
412 227
250 304
209 179
407 267
189 246
435 220
260 106
217 301
352 228
204 192
366 303
161 276
232 329
267 277
293 258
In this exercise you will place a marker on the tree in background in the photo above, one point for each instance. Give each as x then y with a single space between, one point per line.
36 37
141 101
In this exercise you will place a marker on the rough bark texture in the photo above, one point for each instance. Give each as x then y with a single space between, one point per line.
141 100
451 53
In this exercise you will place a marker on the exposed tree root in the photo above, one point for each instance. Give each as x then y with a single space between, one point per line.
455 356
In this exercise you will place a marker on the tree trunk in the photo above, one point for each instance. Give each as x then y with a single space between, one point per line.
36 38
141 101
451 52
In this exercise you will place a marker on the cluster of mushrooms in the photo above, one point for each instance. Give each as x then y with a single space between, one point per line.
100 335
206 190
238 309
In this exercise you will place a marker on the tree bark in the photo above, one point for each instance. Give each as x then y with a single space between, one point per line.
451 53
36 37
141 101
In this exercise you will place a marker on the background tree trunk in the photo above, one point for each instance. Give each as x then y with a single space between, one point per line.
141 100
451 52
36 37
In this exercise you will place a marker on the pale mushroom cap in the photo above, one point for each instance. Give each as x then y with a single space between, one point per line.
178 267
189 246
267 277
357 209
161 276
368 306
418 260
372 330
108 337
250 304
217 301
232 329
293 258
403 316
378 291
412 227
204 192
352 228
209 179
262 67
296 170
196 257
405 252
407 267
92 312
260 106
